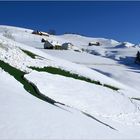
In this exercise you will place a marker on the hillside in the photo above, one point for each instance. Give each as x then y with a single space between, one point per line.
67 94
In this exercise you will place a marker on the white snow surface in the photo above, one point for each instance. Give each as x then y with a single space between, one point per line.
25 116
82 95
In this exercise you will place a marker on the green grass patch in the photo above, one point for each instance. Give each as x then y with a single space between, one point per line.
59 71
19 76
112 87
54 70
32 55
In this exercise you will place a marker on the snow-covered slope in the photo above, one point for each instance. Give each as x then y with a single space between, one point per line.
82 92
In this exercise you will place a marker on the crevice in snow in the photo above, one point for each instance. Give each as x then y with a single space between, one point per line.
88 115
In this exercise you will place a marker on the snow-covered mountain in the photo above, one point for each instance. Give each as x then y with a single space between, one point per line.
67 94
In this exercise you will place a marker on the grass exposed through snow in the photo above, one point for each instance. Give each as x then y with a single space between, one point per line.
19 76
32 55
112 87
59 71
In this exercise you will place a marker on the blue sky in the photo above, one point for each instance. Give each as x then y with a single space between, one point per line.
117 20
